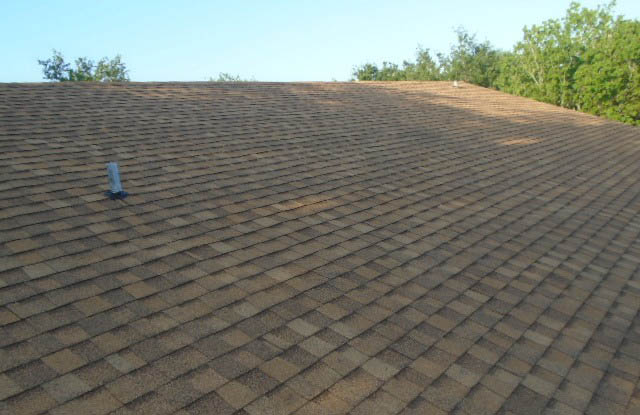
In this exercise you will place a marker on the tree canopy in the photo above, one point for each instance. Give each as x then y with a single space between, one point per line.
227 77
468 60
588 60
105 70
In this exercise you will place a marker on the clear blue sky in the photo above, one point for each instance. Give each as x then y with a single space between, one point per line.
266 40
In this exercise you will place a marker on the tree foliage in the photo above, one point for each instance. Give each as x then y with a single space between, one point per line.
608 83
425 68
105 70
471 61
544 63
588 60
227 77
468 60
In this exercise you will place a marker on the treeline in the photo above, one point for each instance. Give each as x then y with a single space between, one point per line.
588 60
57 69
105 70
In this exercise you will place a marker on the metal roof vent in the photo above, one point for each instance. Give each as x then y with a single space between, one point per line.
116 191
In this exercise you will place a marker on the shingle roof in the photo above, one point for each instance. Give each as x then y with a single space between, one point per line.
373 248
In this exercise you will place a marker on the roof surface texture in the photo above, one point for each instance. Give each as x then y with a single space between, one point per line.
366 248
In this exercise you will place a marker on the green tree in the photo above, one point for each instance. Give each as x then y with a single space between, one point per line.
472 61
469 60
388 72
106 70
227 77
425 68
366 72
588 60
544 64
608 82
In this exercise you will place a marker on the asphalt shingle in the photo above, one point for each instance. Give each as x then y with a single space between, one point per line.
385 248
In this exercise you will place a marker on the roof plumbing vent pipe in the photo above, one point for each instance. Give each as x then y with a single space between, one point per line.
455 84
116 191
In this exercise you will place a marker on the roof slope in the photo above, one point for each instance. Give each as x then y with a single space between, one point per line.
373 248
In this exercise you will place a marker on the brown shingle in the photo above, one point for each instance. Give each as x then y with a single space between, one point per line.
384 248
64 361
